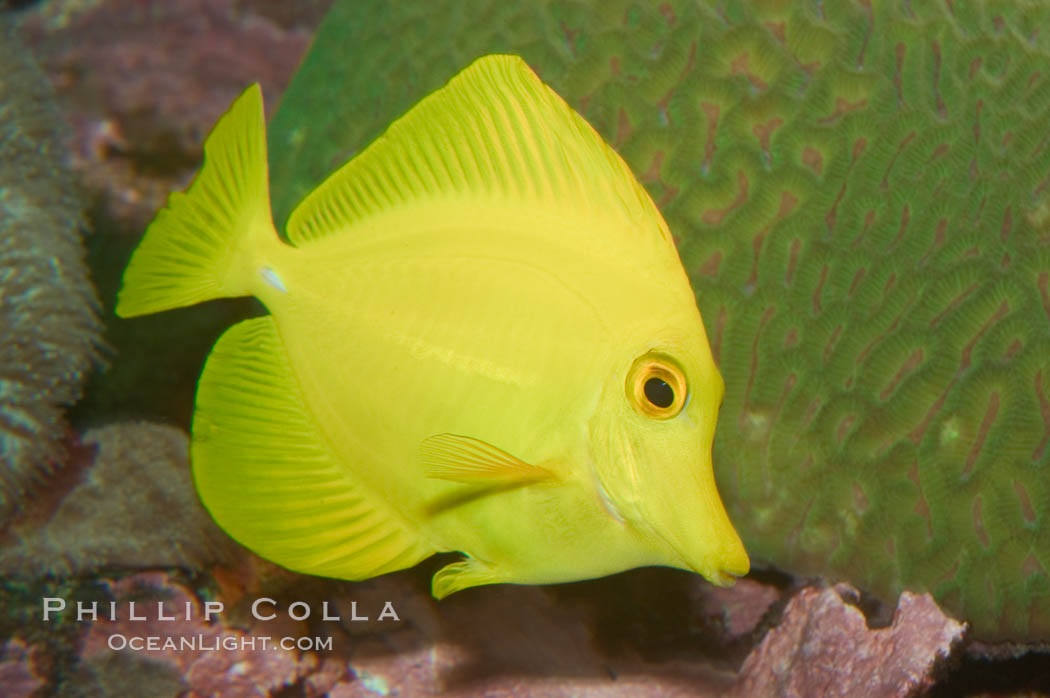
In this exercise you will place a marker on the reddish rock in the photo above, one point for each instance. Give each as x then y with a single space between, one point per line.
144 82
823 647
222 661
740 607
332 672
18 673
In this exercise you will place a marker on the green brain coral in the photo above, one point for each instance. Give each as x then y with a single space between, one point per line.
861 195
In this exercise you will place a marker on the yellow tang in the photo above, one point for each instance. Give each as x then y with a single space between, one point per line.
481 340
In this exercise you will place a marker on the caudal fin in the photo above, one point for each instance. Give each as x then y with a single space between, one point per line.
197 248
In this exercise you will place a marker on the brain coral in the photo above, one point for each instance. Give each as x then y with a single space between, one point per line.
47 304
860 192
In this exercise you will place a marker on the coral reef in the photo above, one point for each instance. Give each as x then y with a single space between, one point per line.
51 331
133 507
859 195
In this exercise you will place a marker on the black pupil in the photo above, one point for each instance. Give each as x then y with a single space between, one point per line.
659 392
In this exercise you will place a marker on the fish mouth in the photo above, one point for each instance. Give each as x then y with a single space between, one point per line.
723 575
722 578
729 573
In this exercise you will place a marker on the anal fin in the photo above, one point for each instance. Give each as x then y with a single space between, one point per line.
462 575
268 477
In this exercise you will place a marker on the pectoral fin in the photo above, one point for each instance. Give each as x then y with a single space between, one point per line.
472 461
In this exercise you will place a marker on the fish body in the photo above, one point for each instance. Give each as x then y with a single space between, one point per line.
480 339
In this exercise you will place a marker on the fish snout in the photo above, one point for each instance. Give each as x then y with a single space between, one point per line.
703 538
721 561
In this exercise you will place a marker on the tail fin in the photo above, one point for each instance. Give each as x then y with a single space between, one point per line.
196 249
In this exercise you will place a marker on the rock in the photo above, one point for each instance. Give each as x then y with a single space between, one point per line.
222 661
18 674
144 83
134 507
824 647
498 640
122 674
740 607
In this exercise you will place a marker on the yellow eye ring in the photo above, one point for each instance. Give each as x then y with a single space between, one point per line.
656 386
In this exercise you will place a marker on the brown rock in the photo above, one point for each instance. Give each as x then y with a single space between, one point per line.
823 647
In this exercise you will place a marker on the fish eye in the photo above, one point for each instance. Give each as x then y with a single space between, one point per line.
656 386
658 392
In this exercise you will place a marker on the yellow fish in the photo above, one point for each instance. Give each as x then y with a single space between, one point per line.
481 339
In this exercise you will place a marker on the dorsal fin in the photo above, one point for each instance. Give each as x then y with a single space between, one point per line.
495 135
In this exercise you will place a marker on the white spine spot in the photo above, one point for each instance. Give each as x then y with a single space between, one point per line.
270 277
607 502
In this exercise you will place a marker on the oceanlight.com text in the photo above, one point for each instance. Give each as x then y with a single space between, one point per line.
207 643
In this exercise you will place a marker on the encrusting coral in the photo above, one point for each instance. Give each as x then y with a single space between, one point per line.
51 329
